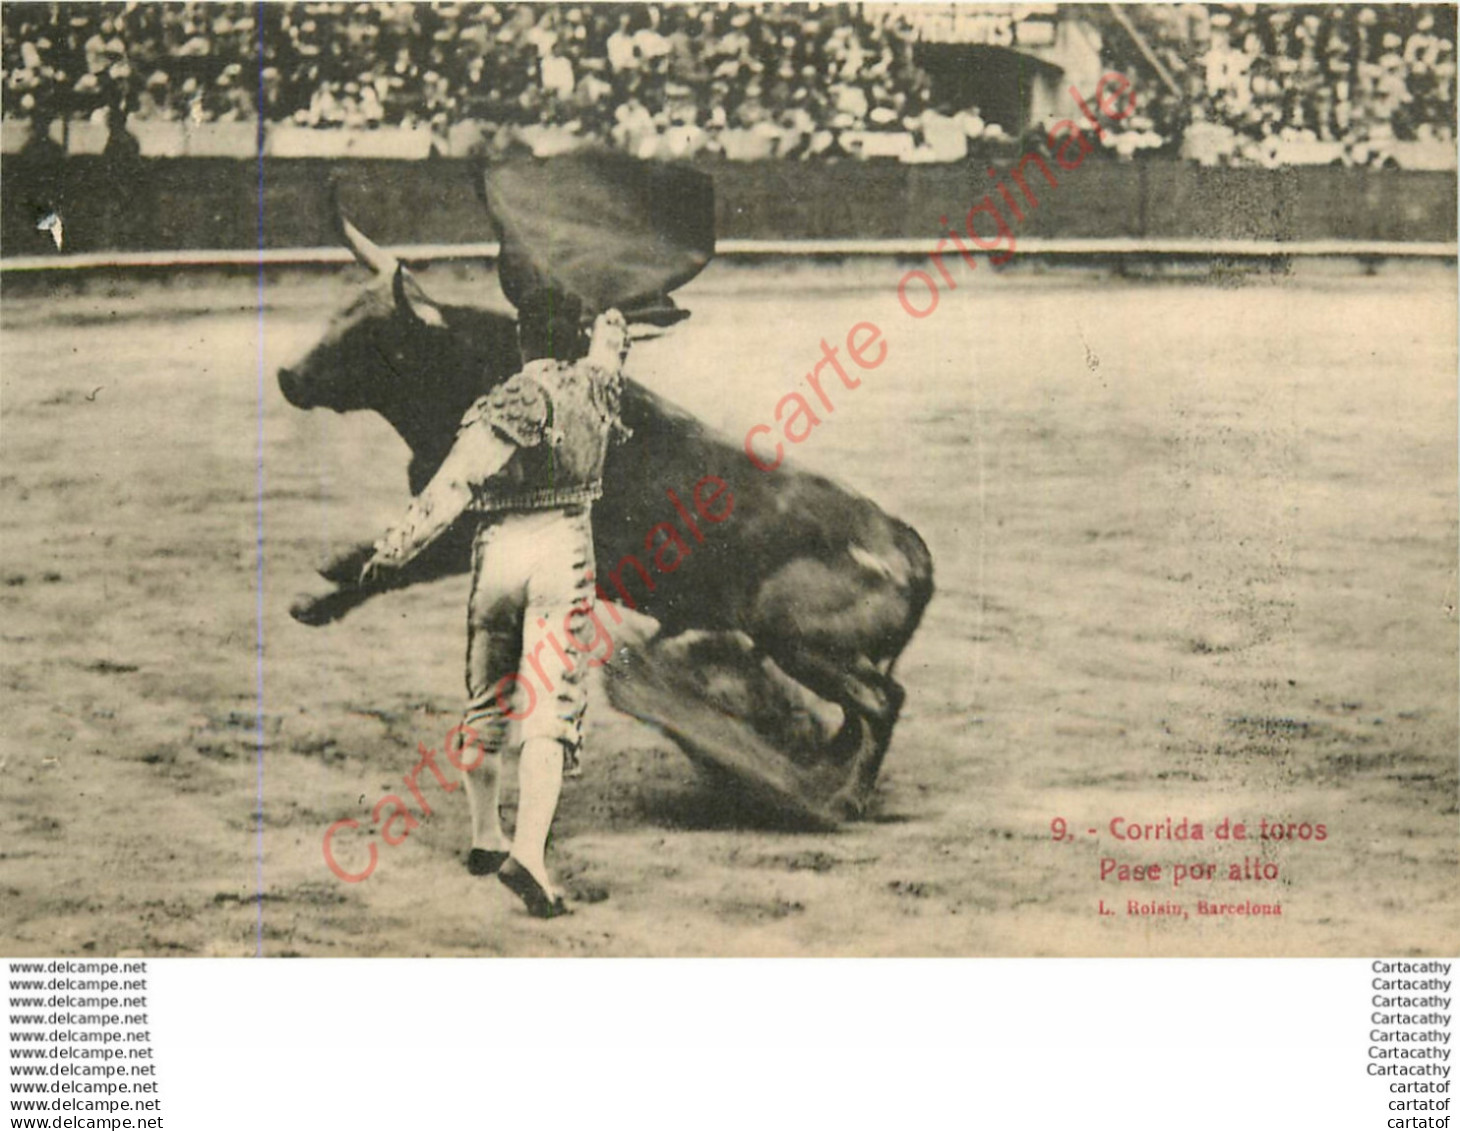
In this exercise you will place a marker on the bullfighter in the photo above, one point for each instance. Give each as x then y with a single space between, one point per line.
526 466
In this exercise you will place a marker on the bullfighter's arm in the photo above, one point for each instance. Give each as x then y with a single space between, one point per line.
477 454
513 415
516 414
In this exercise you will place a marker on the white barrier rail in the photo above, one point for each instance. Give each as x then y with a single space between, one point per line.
733 248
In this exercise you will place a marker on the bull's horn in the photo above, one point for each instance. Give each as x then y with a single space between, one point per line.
366 250
411 300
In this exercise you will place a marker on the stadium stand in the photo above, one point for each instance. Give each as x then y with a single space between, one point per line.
1223 84
1303 84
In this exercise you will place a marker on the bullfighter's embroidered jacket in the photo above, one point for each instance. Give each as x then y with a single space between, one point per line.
536 442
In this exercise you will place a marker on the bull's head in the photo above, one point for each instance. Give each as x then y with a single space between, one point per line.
374 345
394 350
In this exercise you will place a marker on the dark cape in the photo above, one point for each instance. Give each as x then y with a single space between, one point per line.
601 229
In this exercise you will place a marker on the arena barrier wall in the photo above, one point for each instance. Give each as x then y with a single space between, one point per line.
213 204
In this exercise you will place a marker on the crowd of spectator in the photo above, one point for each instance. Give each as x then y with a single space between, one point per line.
1353 78
1334 73
154 60
670 80
648 78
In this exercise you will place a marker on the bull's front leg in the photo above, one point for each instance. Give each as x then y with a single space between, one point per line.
316 609
874 735
344 569
451 554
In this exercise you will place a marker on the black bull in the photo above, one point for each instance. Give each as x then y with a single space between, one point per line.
821 580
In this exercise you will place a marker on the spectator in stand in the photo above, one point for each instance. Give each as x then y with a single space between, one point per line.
1337 74
677 78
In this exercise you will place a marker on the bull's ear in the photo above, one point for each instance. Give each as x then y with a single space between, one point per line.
411 301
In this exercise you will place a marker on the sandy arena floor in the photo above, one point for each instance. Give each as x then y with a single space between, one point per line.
1195 545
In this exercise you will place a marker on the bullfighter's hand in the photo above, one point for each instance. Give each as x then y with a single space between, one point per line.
376 571
609 345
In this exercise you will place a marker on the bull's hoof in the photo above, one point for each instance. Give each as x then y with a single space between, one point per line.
313 611
848 804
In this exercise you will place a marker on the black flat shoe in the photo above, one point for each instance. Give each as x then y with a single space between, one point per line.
485 861
521 883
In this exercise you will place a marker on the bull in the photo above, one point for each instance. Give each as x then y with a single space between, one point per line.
819 579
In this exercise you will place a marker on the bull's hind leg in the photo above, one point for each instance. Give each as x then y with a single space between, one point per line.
870 701
852 798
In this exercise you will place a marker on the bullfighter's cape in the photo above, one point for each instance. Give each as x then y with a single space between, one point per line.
604 227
